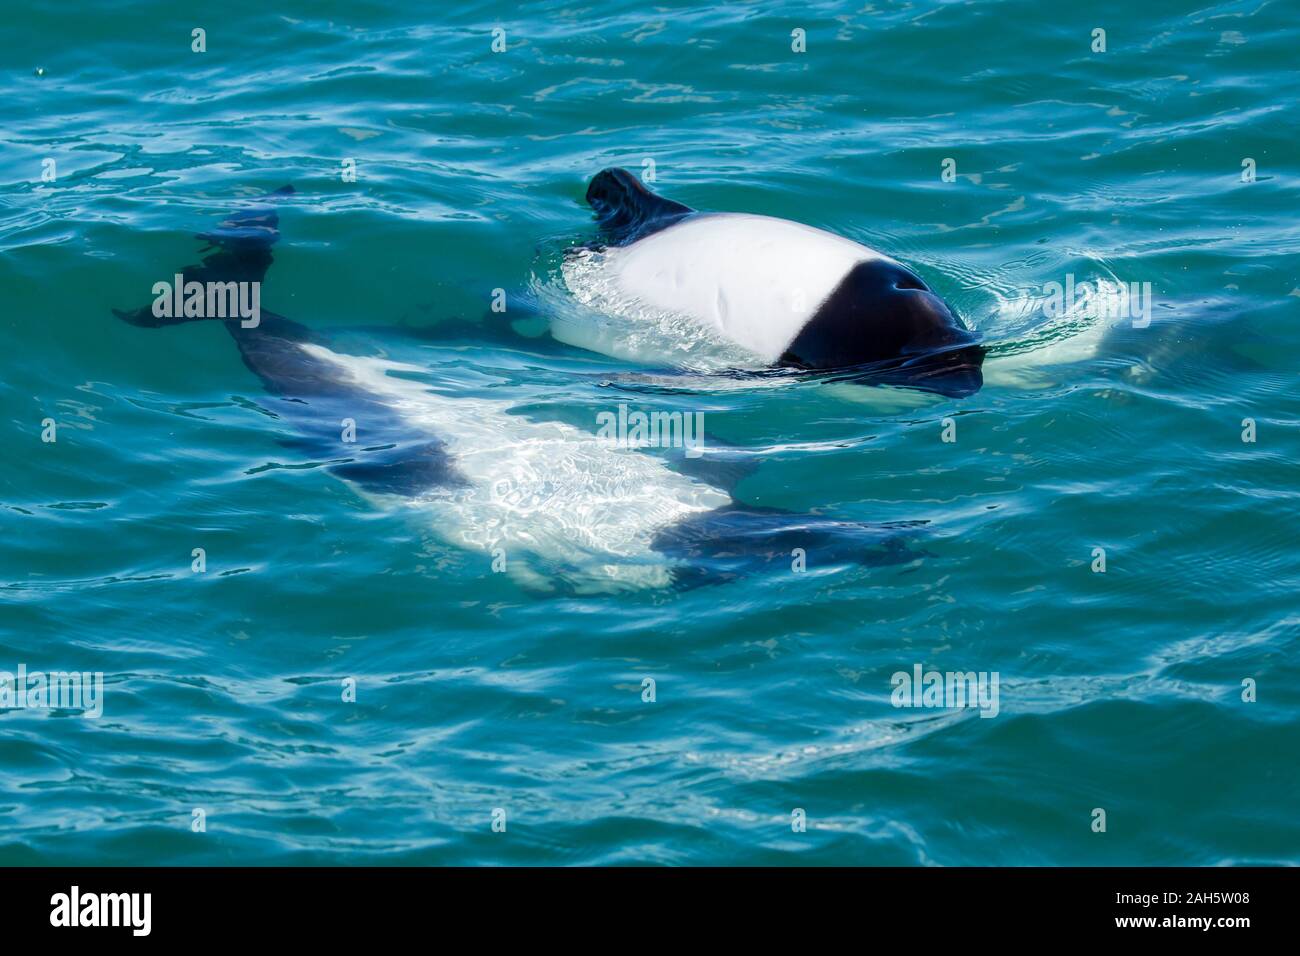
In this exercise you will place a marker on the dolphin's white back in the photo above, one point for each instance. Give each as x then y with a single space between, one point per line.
546 489
754 281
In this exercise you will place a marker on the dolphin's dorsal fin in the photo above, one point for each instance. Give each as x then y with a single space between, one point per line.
626 210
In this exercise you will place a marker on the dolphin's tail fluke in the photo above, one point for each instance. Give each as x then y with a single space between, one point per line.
740 540
238 250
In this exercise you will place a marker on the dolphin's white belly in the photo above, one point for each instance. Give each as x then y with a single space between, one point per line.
754 281
584 506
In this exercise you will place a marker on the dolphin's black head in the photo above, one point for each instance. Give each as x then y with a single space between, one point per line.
886 325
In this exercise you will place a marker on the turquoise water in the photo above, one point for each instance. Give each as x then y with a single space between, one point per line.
1120 691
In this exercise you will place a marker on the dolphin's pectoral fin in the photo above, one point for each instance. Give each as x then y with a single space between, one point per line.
626 210
407 470
146 319
740 540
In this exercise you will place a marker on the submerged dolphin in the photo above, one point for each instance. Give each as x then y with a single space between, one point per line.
559 506
790 295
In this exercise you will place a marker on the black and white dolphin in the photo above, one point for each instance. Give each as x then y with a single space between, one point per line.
560 505
788 294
